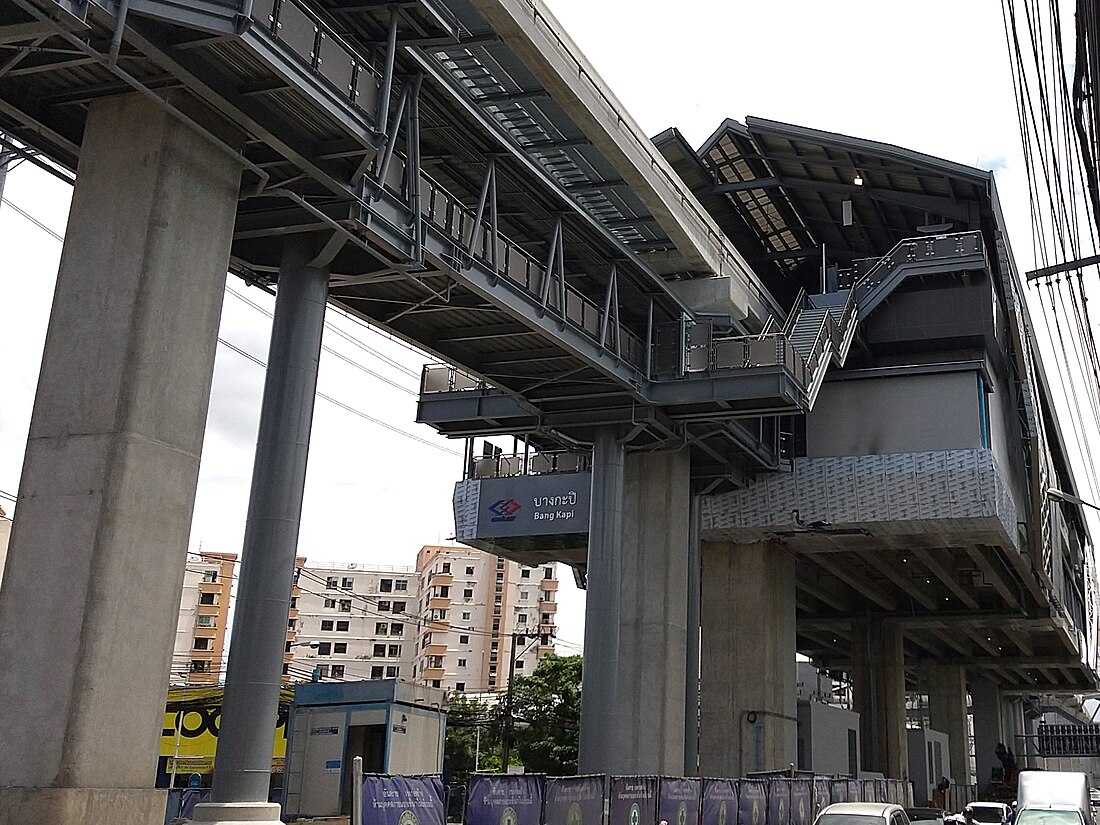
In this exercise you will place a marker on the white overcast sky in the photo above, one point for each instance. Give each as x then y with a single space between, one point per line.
931 77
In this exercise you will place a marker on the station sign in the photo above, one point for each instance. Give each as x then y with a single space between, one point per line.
534 505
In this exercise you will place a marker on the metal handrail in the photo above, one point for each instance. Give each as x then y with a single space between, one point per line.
796 308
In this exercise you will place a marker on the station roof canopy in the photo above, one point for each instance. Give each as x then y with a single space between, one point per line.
781 192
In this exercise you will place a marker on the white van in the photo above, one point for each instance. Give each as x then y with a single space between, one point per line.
1053 798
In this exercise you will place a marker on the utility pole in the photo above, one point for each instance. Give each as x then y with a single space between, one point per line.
513 638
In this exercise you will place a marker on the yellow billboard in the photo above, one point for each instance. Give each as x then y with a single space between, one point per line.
189 736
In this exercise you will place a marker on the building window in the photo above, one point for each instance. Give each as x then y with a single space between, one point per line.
392 672
384 606
435 661
206 621
397 628
439 615
521 618
495 646
460 686
435 683
446 567
497 601
379 651
326 624
469 571
519 664
322 671
399 607
463 640
324 649
210 576
548 572
342 627
496 625
468 593
523 595
376 672
290 624
337 671
385 585
401 585
331 583
546 618
330 603
286 670
381 628
394 651
198 666
345 605
200 644
465 616
525 573
444 591
493 670
287 648
500 578
500 564
462 663
340 647
347 583
208 598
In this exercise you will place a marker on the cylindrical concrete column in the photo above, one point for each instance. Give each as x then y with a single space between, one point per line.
947 714
653 619
749 707
601 624
255 671
691 679
985 700
878 688
92 581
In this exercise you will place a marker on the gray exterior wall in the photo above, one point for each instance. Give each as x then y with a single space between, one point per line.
903 414
823 733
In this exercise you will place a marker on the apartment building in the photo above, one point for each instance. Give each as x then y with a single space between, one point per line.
474 608
353 621
198 657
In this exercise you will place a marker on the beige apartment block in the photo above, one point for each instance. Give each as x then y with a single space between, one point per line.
474 607
198 657
354 621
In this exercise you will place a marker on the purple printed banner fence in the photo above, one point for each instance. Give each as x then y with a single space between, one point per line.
719 802
802 801
504 800
678 801
633 800
752 802
574 800
395 800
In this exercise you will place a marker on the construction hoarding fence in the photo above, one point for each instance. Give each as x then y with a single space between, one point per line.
526 799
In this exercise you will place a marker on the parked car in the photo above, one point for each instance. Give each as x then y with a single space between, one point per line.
862 813
991 813
926 816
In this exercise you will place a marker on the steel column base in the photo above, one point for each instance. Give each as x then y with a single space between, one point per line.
238 813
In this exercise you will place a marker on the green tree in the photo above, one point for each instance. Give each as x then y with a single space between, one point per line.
465 718
546 707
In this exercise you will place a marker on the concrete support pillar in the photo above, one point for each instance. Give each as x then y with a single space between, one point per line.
242 773
749 683
947 714
985 701
91 589
878 687
691 676
653 623
599 700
